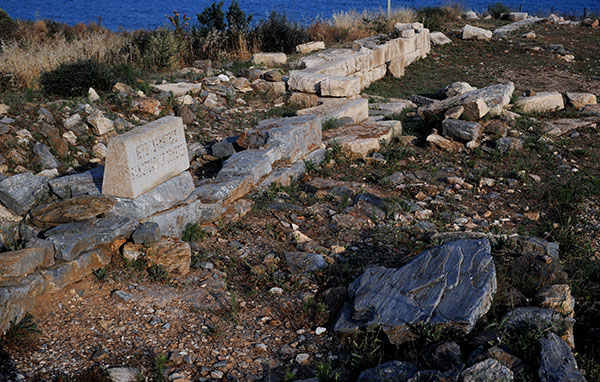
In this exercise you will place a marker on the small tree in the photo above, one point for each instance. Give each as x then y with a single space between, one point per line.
212 18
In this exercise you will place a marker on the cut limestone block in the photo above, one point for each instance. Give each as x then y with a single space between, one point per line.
541 102
172 222
505 30
338 86
438 38
226 189
293 137
145 157
581 100
310 47
355 109
178 88
254 163
474 33
495 97
359 140
269 59
172 192
305 82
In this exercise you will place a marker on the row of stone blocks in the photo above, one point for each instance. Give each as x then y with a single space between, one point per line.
345 72
82 241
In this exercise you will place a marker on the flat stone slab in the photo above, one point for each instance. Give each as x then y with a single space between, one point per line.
162 197
356 109
269 59
359 140
254 163
145 157
563 126
72 239
310 47
438 38
76 209
475 33
178 88
541 102
495 97
505 30
450 285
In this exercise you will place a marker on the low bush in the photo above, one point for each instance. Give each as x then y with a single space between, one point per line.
496 10
433 17
74 79
278 34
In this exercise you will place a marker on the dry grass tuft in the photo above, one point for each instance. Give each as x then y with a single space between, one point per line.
347 26
25 60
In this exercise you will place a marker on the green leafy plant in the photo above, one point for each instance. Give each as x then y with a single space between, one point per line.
75 79
330 124
193 232
100 274
159 369
157 272
18 331
325 373
367 350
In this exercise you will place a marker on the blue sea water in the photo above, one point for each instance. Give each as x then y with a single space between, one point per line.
148 14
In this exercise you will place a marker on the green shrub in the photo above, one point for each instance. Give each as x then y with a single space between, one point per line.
7 24
75 79
433 17
19 330
157 272
497 9
193 233
163 50
277 34
212 18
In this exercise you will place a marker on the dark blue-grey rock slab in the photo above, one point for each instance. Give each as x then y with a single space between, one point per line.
452 285
162 197
557 363
22 192
305 261
44 156
392 371
222 149
531 316
85 183
18 297
489 370
72 239
146 233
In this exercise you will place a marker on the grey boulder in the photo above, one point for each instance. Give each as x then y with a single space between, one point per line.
392 371
557 363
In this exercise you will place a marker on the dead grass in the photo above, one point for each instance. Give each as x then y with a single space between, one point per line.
35 52
346 26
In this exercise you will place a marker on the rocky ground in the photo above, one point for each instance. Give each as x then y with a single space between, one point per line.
263 297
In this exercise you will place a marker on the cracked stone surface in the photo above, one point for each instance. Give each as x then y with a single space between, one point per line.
452 285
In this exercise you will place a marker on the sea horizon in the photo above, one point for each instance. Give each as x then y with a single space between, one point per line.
151 14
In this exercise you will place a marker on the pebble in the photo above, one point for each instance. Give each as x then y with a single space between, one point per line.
320 330
302 358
